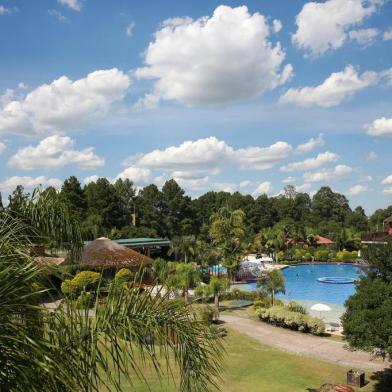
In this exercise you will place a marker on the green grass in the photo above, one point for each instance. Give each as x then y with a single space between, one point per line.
250 366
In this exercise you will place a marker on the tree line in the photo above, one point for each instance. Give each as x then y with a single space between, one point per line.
119 210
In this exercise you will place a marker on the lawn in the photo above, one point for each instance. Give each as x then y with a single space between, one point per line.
250 366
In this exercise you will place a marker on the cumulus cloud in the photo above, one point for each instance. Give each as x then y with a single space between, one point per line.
338 87
387 36
58 15
2 147
380 127
340 171
277 25
136 174
364 36
28 183
245 183
365 178
64 105
387 180
5 10
326 26
312 163
76 5
310 145
55 152
213 60
289 180
356 189
388 191
89 179
262 188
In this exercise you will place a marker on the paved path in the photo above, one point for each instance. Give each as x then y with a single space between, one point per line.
304 344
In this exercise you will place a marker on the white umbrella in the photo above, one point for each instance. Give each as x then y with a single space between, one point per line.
320 308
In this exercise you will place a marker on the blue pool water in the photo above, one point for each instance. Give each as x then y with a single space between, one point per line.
302 283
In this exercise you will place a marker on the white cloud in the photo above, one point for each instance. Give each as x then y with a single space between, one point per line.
28 183
338 87
356 189
340 171
326 26
380 127
129 29
388 191
213 60
58 15
277 25
262 188
89 179
371 156
387 36
245 183
262 158
64 105
310 145
23 86
2 147
4 10
303 188
136 174
364 36
366 178
312 163
387 180
76 5
55 152
289 180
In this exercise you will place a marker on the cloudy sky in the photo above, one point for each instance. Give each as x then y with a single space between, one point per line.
246 96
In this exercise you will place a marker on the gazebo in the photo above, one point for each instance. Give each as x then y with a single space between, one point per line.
107 254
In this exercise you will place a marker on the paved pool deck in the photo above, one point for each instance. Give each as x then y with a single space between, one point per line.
307 345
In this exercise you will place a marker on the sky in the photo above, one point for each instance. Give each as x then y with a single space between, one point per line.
234 96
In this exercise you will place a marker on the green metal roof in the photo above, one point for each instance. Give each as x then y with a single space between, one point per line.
143 242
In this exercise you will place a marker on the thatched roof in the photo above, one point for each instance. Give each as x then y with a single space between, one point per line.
388 220
49 261
103 252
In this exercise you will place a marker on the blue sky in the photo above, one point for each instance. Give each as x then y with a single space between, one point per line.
246 96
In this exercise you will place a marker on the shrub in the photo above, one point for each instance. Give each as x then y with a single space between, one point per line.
85 300
124 275
283 317
296 307
70 289
87 280
322 255
206 314
281 256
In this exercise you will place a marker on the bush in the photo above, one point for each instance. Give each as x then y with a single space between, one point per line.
296 307
322 255
283 317
281 256
206 314
266 302
70 289
124 275
85 300
87 280
236 293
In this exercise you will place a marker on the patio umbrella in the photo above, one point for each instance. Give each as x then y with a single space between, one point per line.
320 308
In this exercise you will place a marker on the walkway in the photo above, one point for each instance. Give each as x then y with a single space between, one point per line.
304 344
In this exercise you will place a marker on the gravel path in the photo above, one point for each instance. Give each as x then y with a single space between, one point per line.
303 344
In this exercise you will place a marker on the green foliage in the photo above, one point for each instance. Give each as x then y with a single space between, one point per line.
206 314
282 316
322 255
85 300
272 282
70 288
124 275
296 307
82 281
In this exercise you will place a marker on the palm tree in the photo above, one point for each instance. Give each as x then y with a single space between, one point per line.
216 287
186 276
272 282
183 247
66 350
227 231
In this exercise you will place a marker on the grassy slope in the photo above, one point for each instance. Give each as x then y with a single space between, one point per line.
251 366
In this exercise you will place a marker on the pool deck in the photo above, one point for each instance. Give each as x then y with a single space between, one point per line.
307 345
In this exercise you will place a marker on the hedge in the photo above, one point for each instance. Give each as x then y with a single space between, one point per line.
83 281
283 317
123 275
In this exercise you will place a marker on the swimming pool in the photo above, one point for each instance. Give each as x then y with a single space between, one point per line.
302 283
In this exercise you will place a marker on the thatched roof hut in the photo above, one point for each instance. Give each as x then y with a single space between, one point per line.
104 253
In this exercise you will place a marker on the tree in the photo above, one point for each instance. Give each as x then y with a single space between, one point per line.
65 350
272 282
215 287
185 277
183 248
149 206
73 196
126 193
227 231
367 322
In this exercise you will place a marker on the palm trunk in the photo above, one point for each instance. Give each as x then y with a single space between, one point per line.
273 297
216 307
186 295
